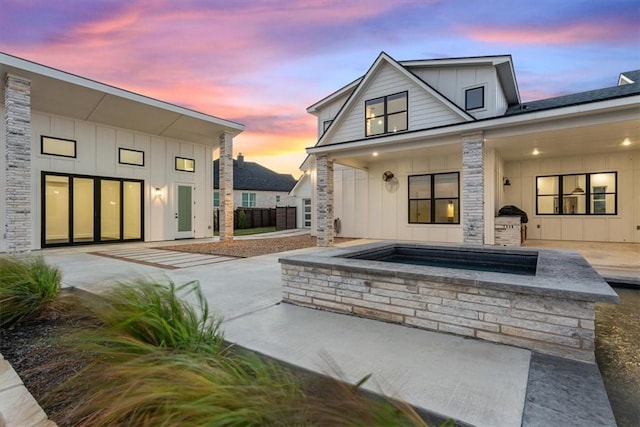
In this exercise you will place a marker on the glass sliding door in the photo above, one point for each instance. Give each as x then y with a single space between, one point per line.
56 214
86 209
83 210
110 206
132 210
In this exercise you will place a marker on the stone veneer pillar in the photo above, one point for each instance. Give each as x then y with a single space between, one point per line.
17 121
473 189
225 184
324 186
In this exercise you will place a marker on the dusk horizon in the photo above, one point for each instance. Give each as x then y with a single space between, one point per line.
262 63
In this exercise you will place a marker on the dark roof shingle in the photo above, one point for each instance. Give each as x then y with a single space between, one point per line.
252 176
577 98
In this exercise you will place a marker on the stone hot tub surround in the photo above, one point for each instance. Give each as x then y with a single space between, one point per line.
552 311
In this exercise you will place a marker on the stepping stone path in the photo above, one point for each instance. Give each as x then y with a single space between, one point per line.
170 260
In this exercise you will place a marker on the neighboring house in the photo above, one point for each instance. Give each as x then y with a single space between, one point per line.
255 186
301 193
83 162
430 150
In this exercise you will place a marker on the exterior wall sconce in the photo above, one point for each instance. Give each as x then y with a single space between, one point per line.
157 192
505 181
387 176
450 211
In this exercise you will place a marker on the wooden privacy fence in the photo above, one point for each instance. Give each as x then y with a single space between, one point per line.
283 218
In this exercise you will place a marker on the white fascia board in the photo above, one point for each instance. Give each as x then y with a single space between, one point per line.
631 103
475 60
53 73
313 109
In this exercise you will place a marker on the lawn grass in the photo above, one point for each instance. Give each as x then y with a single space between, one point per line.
250 231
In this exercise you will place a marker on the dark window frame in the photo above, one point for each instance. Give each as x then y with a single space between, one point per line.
432 213
386 115
184 170
96 202
466 98
587 195
121 149
326 124
75 147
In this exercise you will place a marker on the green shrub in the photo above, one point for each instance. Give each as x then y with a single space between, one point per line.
154 313
242 219
27 286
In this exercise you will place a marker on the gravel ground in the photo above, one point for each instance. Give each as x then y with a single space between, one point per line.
246 248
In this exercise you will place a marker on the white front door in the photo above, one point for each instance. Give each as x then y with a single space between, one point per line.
184 211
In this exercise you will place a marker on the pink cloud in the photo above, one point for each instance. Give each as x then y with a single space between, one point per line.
569 33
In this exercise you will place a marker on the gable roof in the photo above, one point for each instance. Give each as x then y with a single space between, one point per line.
577 98
255 177
629 77
503 64
383 58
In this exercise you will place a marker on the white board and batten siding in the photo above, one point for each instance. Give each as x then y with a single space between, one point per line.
425 111
452 82
97 155
368 207
603 228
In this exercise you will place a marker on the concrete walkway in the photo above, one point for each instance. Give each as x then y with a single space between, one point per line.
475 382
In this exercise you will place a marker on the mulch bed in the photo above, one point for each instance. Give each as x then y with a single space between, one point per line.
246 248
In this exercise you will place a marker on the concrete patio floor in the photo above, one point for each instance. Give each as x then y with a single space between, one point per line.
476 382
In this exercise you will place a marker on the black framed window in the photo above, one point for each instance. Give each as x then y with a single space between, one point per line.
577 194
185 165
434 198
326 124
474 98
386 114
58 146
127 156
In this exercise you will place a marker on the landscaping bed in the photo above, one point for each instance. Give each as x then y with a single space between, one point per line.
245 248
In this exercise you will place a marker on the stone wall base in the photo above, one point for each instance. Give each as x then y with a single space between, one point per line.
558 326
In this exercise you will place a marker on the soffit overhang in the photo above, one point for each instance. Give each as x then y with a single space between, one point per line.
64 94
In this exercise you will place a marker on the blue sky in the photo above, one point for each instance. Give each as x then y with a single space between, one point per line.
262 62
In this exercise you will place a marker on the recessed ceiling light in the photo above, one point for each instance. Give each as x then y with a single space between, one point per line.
375 154
626 142
535 152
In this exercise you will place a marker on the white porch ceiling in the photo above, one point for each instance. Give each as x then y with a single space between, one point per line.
514 142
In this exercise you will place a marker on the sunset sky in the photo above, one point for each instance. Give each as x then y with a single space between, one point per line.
263 62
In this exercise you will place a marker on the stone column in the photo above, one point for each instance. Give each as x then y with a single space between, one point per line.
473 189
17 121
225 183
324 184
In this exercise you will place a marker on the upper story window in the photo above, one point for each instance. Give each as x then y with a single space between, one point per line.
434 198
577 194
248 200
326 124
57 146
474 98
386 114
130 157
185 165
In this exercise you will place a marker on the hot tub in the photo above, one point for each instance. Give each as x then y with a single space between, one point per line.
538 299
